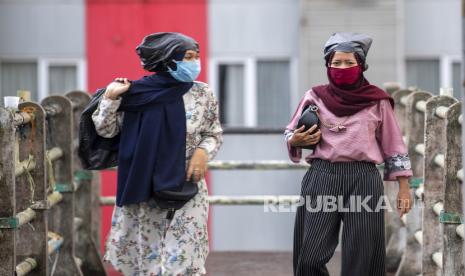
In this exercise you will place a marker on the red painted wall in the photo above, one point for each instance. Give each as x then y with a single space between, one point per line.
114 29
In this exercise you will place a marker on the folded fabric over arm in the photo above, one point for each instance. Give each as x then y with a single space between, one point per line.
153 138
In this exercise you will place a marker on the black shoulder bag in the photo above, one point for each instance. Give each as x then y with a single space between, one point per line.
95 152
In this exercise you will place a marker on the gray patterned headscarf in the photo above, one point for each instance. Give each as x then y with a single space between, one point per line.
158 50
349 43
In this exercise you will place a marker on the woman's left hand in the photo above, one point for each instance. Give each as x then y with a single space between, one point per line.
116 88
197 165
404 201
404 196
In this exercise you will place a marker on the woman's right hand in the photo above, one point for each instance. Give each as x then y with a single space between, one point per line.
116 88
303 138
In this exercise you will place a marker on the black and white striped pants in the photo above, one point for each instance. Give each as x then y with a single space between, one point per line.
316 232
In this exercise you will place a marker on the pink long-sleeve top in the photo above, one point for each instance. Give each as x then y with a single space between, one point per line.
371 135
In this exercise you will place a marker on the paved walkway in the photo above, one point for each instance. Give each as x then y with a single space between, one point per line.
253 264
258 264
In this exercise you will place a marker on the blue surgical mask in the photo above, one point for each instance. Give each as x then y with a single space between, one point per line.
186 71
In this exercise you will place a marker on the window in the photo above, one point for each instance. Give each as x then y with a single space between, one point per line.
273 93
42 78
253 93
59 76
16 76
423 74
457 80
231 90
62 79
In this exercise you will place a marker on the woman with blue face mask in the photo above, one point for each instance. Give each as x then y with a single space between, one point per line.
169 128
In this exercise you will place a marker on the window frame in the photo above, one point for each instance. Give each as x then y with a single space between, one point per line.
446 69
446 63
250 81
18 59
44 71
249 97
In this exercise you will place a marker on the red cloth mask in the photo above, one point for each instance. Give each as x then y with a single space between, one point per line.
345 76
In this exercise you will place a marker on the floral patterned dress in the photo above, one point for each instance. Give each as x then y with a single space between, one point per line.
141 240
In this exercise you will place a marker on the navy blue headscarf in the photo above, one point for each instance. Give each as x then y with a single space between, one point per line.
152 149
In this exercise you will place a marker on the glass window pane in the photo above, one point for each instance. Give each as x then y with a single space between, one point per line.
62 79
231 100
457 80
18 76
423 74
273 87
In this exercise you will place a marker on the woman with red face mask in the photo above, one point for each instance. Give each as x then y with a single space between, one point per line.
357 130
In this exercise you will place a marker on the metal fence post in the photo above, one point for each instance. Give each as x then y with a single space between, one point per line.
87 200
434 147
453 215
411 259
31 188
7 194
60 135
391 87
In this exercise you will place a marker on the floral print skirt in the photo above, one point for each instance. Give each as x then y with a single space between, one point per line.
143 242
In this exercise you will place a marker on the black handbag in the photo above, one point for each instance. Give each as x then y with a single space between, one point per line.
309 118
174 199
95 152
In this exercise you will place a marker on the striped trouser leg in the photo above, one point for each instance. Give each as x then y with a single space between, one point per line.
363 244
315 232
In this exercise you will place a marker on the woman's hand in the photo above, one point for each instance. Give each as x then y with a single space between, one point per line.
404 197
304 138
116 88
197 165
